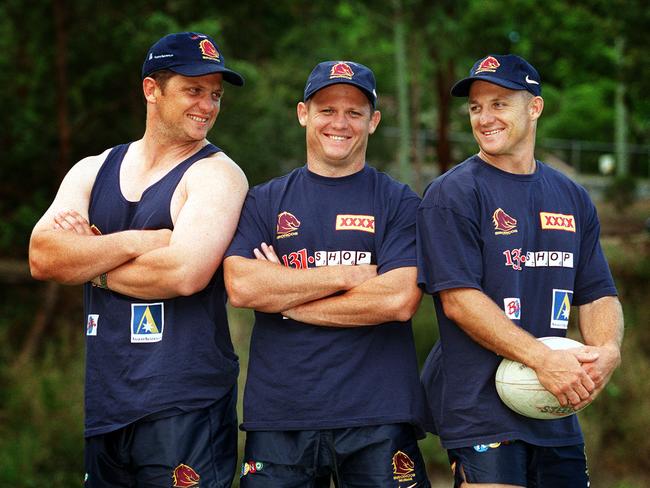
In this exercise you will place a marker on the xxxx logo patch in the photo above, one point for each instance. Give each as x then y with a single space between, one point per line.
557 221
364 223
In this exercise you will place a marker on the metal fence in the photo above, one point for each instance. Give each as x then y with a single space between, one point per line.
582 156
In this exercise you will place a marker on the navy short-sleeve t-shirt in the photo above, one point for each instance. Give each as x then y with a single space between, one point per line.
302 376
529 242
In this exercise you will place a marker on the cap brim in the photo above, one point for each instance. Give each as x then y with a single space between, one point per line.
461 88
229 75
337 81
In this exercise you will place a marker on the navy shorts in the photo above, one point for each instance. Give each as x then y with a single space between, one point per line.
522 464
375 456
198 448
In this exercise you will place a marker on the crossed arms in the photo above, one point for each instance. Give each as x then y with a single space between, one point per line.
141 263
336 296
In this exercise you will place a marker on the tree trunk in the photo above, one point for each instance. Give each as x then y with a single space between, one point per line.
402 93
417 142
51 293
444 80
620 116
60 70
41 320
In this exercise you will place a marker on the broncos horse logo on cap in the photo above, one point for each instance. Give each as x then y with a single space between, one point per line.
489 64
341 70
208 50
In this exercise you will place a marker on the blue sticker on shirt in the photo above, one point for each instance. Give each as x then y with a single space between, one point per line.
147 322
561 308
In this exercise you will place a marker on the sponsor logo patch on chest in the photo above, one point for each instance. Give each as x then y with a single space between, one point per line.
302 259
561 308
147 322
557 221
364 223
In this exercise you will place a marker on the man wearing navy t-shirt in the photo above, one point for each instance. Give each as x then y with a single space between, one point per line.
506 245
325 255
144 226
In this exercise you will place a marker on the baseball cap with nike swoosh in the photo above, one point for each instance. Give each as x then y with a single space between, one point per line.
506 70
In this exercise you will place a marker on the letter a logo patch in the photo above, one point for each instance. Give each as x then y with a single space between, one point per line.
147 322
561 308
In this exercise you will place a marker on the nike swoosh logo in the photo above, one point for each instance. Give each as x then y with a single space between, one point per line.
532 82
411 486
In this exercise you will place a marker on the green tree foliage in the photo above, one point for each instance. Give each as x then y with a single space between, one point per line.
275 44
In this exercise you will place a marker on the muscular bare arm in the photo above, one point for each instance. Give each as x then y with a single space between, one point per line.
391 296
267 286
76 257
601 326
215 189
560 372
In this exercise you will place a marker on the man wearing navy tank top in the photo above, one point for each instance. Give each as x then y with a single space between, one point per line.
506 245
325 255
144 227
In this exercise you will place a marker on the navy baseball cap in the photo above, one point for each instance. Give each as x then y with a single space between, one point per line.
507 70
188 54
332 72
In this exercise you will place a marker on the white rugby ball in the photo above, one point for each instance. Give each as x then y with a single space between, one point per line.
519 388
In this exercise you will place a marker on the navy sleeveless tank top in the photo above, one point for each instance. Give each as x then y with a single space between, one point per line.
151 358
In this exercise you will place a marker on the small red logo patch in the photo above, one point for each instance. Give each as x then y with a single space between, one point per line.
489 64
184 476
341 70
208 50
287 224
503 223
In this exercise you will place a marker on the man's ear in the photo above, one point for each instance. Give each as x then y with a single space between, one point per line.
302 110
536 107
374 121
150 89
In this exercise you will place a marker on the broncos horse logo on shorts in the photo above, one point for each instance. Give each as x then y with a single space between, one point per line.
184 476
403 467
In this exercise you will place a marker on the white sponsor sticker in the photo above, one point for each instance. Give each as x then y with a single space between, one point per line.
91 324
512 308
